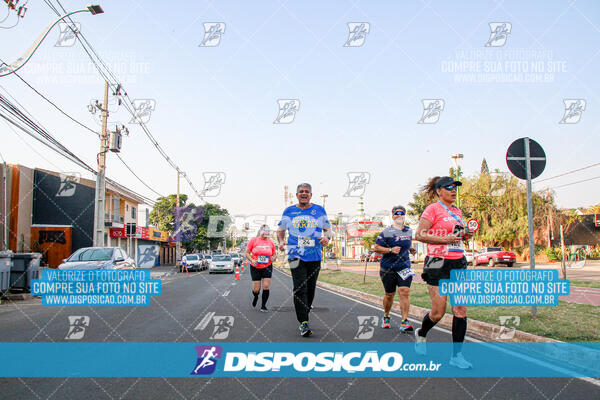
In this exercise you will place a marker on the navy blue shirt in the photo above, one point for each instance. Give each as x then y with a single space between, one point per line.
392 237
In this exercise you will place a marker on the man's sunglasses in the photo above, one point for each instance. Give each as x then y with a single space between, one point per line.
399 212
450 188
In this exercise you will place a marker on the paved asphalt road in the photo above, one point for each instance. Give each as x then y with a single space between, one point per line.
186 301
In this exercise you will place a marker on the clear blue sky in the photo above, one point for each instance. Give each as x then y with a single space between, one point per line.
359 106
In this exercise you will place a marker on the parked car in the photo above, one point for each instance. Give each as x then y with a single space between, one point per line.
195 262
469 257
221 263
375 257
98 258
495 255
237 259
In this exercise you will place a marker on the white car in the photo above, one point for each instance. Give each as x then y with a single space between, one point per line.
194 262
221 263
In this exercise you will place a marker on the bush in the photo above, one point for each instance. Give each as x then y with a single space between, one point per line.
554 254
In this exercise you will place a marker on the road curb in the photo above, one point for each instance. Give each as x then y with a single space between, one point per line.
476 328
479 329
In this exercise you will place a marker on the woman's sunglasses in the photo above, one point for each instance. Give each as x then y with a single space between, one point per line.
399 212
450 188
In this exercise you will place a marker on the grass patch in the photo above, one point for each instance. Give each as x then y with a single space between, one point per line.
590 284
569 322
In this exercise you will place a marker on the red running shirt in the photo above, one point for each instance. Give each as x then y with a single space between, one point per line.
262 250
443 225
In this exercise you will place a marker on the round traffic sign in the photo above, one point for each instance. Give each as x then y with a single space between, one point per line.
516 159
473 225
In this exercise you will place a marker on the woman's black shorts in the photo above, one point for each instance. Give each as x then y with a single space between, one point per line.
433 276
261 273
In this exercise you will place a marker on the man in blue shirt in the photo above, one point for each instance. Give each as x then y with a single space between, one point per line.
308 229
394 243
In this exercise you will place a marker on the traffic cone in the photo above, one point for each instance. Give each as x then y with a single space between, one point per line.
242 267
237 273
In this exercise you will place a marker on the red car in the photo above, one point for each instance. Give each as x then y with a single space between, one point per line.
375 257
495 255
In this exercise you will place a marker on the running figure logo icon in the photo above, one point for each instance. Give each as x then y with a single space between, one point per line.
366 327
432 108
212 34
357 183
498 34
358 33
573 110
143 109
223 325
287 111
207 359
68 34
508 326
77 325
213 181
67 184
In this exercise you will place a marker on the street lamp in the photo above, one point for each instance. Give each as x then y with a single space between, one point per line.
5 70
457 158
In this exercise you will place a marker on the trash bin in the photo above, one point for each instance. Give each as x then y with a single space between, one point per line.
5 266
26 266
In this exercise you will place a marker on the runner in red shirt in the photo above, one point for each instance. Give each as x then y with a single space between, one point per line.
261 253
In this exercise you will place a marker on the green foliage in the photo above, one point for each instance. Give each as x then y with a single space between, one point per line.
368 239
499 202
162 215
554 253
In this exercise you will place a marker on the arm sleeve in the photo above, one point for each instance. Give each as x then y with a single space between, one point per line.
285 221
250 245
381 240
429 214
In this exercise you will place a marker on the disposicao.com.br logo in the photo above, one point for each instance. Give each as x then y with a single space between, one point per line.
350 362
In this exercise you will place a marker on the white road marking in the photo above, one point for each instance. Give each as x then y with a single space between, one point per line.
205 321
226 293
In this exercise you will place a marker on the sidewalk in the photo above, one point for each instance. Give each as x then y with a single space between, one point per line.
581 295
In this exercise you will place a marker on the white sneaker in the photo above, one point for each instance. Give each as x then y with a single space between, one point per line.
459 362
420 343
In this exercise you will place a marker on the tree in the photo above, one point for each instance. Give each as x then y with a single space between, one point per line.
369 238
484 167
162 215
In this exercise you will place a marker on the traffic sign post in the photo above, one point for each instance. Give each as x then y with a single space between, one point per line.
526 159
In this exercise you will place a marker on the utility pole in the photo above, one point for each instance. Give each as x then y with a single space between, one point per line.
99 205
178 236
3 208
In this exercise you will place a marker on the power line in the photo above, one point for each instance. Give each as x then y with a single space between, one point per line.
574 183
16 117
567 173
139 179
117 87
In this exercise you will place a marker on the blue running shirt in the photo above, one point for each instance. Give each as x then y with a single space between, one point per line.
305 227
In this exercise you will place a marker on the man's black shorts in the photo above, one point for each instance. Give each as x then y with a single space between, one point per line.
432 277
261 273
391 280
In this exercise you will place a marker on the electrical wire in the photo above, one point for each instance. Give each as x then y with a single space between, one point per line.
567 173
128 105
574 183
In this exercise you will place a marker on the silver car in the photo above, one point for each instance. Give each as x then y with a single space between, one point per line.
221 263
98 258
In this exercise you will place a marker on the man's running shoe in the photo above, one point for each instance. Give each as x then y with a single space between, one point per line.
406 326
264 309
305 329
420 343
459 361
386 322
